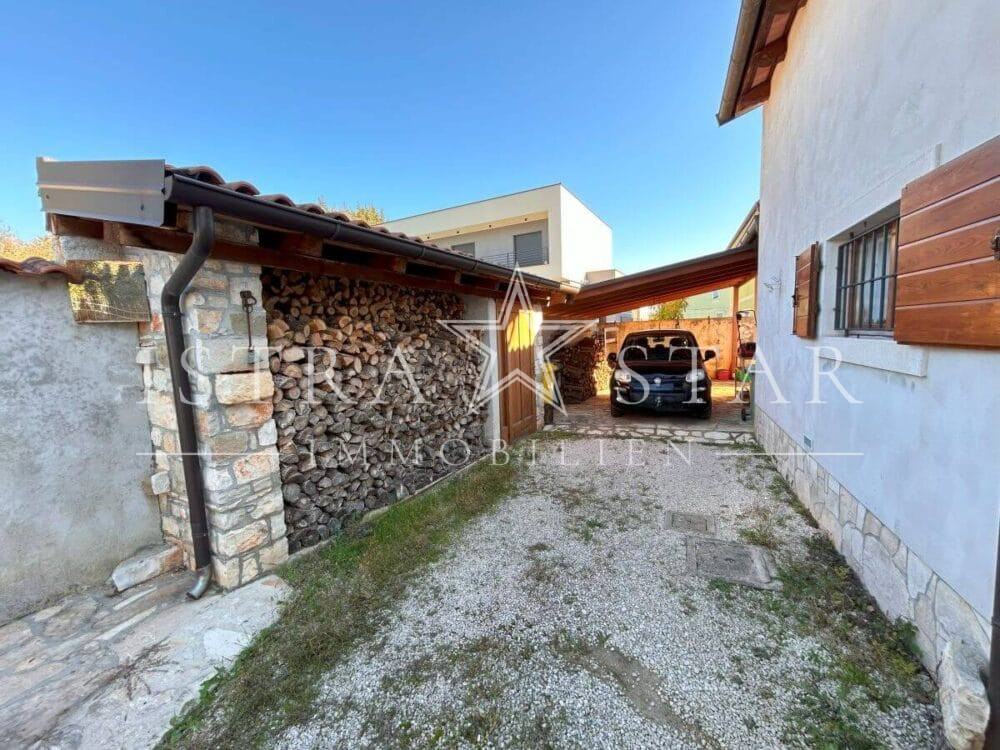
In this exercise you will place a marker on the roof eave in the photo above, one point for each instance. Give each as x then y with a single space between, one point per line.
137 192
746 28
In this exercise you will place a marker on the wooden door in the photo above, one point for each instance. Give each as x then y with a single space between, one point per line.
517 400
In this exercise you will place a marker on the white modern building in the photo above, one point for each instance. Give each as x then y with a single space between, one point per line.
879 198
546 231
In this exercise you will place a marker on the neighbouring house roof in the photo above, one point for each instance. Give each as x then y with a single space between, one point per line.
759 45
147 203
39 267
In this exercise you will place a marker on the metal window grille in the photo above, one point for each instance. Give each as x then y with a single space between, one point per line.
866 281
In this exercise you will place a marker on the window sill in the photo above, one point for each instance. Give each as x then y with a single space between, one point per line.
877 353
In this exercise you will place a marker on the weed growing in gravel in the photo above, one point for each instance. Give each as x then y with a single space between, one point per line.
762 527
340 594
781 489
866 659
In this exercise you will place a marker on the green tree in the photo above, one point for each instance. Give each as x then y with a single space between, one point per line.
13 247
673 310
367 212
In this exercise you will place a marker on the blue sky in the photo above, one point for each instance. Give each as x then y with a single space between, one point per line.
411 106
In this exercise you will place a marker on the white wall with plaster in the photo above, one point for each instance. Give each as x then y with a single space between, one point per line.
871 96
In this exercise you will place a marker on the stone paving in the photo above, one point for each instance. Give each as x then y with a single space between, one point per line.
96 671
593 417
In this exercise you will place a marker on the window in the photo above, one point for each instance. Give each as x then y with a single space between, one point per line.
465 248
866 281
528 250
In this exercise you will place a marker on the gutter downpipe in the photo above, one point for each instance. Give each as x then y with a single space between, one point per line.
202 241
993 675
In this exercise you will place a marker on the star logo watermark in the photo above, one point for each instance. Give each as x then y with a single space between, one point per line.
517 302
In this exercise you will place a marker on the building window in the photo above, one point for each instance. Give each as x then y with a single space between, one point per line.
465 248
528 250
866 281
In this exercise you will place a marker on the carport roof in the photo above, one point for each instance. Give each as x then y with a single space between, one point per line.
683 279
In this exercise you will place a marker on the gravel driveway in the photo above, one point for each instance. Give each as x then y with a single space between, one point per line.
570 617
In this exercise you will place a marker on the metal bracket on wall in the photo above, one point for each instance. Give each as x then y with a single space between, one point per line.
248 301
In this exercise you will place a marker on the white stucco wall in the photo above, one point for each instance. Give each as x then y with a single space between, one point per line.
872 95
492 242
73 430
578 241
585 243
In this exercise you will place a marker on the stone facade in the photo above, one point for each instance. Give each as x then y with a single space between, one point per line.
902 584
231 394
350 422
233 411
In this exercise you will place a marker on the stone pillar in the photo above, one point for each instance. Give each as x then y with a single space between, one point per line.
233 412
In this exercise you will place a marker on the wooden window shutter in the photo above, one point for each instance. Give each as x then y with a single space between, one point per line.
948 288
806 297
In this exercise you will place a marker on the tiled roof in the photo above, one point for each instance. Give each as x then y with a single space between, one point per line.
39 267
212 177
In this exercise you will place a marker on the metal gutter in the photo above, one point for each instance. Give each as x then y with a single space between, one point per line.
746 28
201 247
188 191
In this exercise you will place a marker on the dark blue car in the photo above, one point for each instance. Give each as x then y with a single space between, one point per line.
662 371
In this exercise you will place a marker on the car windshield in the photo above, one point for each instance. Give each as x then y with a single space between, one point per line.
667 346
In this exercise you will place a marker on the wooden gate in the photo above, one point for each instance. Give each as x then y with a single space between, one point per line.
517 400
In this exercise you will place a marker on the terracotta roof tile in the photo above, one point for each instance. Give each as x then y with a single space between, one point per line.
207 174
39 267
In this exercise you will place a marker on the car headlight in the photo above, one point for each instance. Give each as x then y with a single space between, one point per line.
622 377
695 377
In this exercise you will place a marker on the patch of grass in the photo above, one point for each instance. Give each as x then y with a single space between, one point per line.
760 536
341 594
722 586
762 529
783 491
867 659
828 722
478 709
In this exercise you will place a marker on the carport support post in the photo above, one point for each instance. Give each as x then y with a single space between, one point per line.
734 344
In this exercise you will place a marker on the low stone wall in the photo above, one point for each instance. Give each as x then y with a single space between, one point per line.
371 396
902 584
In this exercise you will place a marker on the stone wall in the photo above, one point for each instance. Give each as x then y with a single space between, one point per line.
231 394
902 584
233 412
354 431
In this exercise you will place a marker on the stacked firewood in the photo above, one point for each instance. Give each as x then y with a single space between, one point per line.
579 362
368 436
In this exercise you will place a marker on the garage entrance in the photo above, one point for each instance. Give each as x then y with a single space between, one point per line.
721 334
